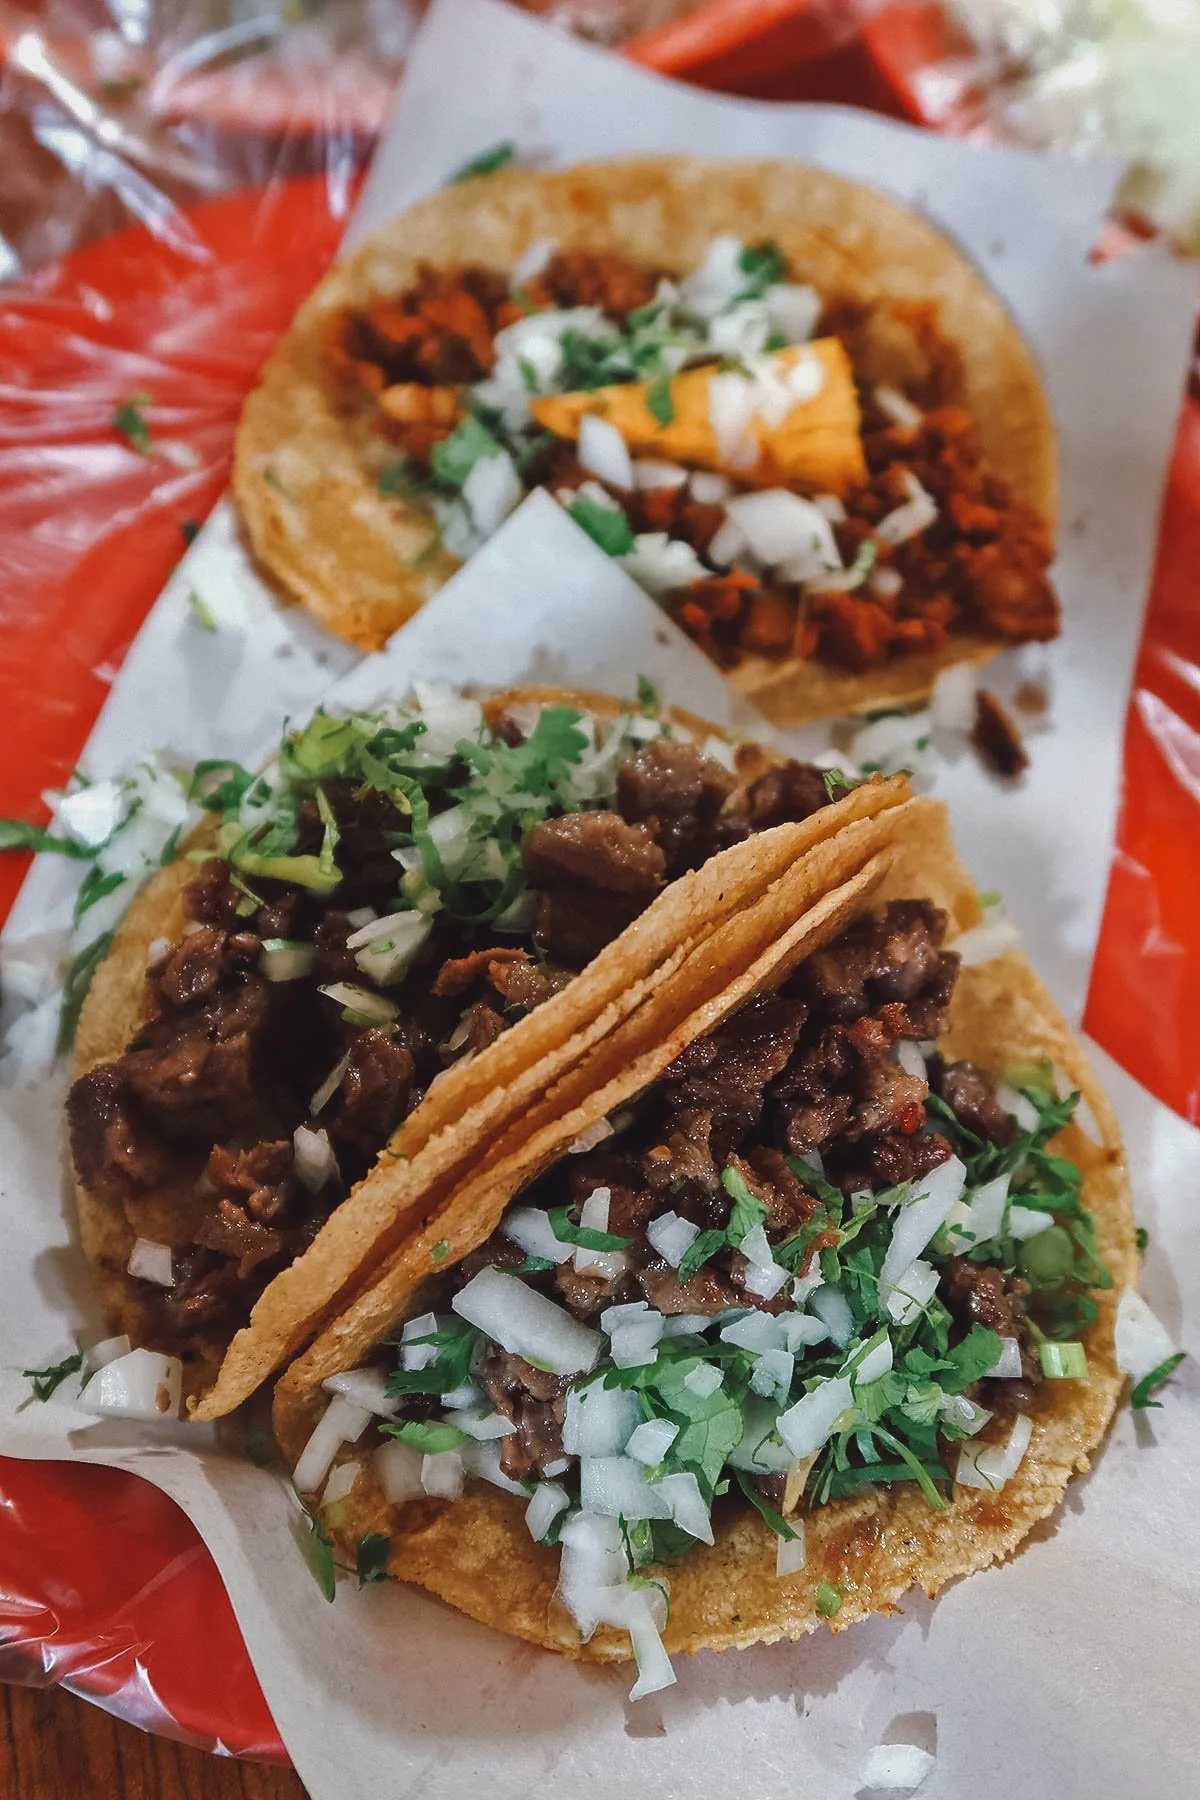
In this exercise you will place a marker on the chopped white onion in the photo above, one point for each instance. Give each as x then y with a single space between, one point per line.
593 1570
398 1466
895 1768
287 962
624 1314
792 310
952 701
742 332
591 1136
362 915
716 284
341 1423
806 1426
365 1387
909 1057
784 531
754 1331
159 950
926 1209
688 1507
142 1384
685 1324
766 1279
915 1289
728 544
593 1216
875 1363
549 1499
730 414
530 1229
603 452
616 1487
483 1461
651 1440
106 1351
1007 1366
1019 1105
459 1399
800 1330
558 1466
898 407
1025 1222
891 742
526 1323
386 948
637 1343
660 563
990 938
442 1474
531 262
992 1465
703 1380
150 1261
413 1353
914 516
484 1425
981 1218
672 1237
886 582
653 1664
329 1086
599 1420
314 1159
492 490
340 1482
789 1552
772 1374
92 813
710 489
650 476
831 1306
369 1008
964 1413
1141 1340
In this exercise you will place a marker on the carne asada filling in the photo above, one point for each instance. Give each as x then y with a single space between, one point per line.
389 899
930 543
732 1243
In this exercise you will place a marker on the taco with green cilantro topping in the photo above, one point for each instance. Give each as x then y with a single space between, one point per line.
374 957
820 1310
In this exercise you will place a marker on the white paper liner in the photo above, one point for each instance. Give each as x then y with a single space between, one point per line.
1070 1671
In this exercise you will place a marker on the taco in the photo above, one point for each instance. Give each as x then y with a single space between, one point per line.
827 1312
788 405
376 955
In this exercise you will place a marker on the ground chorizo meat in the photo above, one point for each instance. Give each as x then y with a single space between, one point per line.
594 278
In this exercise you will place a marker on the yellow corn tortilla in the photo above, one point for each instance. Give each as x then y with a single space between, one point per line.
471 1103
477 1554
306 464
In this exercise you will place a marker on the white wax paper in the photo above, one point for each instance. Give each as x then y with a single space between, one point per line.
1070 1672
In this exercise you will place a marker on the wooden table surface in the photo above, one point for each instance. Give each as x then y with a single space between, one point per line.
55 1747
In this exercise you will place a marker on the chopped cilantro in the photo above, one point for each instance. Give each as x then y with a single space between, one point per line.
452 460
225 794
992 897
486 163
17 834
429 1438
703 1247
834 779
189 530
567 1232
829 1599
763 266
420 559
128 419
775 1520
534 1265
647 696
397 478
96 885
75 989
747 1211
371 1557
659 399
607 526
46 1382
1141 1238
320 1557
1140 1398
440 1251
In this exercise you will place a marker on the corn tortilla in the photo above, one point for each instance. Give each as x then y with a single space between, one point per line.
477 1553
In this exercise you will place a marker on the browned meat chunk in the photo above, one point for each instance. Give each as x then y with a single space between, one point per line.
597 850
794 790
574 923
669 787
211 898
894 956
196 1074
196 965
536 1404
707 1292
979 1295
970 1093
996 737
728 1071
232 1233
113 1149
457 975
374 1090
259 1178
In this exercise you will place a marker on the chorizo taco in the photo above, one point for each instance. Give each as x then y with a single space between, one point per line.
374 956
792 409
826 1312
